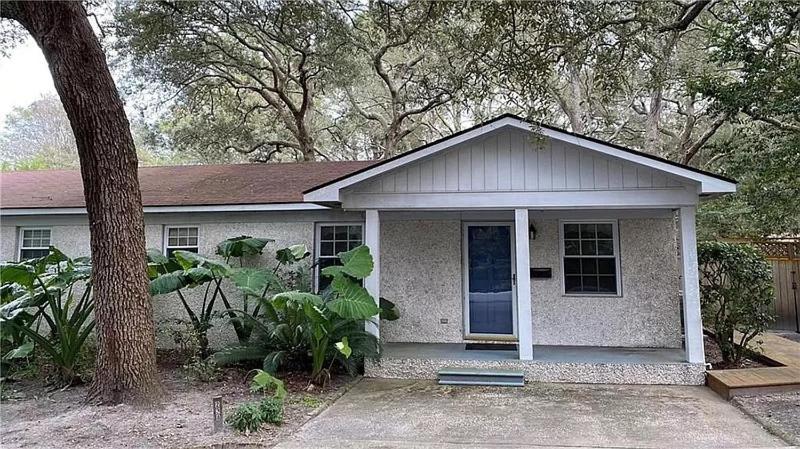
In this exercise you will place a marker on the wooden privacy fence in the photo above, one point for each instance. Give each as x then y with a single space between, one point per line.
784 256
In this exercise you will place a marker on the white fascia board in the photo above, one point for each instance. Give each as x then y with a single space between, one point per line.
566 200
170 209
330 193
708 184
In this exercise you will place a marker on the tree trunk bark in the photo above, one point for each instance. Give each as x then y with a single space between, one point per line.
126 360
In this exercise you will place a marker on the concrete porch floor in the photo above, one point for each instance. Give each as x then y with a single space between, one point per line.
553 354
576 364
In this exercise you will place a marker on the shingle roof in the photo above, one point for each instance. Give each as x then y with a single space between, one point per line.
187 185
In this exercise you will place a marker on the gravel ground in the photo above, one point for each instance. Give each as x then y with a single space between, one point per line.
33 416
780 413
794 336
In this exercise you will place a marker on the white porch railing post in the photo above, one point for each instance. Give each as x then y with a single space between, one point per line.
693 323
523 256
372 233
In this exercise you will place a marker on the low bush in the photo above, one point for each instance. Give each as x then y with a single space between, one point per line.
301 328
250 416
45 311
735 291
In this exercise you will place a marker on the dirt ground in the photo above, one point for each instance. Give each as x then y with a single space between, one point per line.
32 416
714 357
780 413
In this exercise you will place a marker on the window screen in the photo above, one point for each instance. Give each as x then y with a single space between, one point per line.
35 243
590 259
184 238
332 240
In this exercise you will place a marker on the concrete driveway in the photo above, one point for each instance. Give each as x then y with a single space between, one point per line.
416 414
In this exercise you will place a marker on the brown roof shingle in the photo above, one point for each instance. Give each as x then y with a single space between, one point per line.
187 185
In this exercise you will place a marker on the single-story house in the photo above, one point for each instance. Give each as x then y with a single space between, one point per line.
579 255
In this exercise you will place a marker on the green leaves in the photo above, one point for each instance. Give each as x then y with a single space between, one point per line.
242 246
344 348
167 283
17 273
292 254
252 281
188 259
264 381
352 301
356 263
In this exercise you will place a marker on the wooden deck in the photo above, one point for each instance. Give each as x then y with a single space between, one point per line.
733 382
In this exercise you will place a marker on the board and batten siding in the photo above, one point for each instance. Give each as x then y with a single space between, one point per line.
511 160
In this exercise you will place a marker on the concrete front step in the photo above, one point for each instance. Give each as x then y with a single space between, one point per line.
477 376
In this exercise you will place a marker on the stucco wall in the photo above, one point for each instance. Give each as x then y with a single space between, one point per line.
71 235
421 273
647 314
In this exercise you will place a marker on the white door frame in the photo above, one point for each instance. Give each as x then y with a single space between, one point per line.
465 272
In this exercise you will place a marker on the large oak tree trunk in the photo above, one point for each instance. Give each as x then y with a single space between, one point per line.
126 360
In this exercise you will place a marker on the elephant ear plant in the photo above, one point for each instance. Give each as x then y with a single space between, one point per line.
188 270
327 329
53 290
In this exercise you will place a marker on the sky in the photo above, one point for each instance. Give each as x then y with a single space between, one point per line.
24 77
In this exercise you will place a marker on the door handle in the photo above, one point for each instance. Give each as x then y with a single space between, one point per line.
513 278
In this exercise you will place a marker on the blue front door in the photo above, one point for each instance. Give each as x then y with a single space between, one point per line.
490 286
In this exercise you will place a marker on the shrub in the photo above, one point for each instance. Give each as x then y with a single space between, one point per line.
185 269
301 328
735 292
41 303
249 417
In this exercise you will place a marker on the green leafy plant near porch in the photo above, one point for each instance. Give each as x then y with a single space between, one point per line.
735 291
188 270
250 416
42 310
322 329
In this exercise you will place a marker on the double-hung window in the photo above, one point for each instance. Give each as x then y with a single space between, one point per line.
332 239
34 243
590 252
184 238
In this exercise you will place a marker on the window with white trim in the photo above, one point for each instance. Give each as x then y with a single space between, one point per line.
34 243
590 258
184 238
332 239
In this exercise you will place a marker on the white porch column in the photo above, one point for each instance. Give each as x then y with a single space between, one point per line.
692 321
523 256
372 238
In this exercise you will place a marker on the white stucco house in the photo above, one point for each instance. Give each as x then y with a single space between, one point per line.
575 257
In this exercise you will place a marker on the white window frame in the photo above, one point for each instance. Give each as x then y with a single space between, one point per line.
615 237
318 242
165 238
22 235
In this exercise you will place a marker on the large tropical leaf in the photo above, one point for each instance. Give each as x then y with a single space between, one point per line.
389 310
252 281
155 256
242 246
294 299
17 273
199 275
168 283
292 254
352 301
188 259
20 352
238 354
356 263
